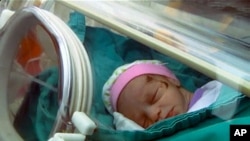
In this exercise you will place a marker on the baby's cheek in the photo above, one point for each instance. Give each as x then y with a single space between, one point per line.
181 109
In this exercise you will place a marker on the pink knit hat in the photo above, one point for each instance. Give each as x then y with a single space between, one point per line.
124 74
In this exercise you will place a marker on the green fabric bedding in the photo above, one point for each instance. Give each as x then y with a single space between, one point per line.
114 50
107 51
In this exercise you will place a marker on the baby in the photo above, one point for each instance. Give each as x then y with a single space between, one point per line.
146 91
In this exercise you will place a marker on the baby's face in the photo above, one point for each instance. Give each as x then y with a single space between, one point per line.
149 98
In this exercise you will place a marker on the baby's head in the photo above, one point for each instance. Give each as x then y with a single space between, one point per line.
145 91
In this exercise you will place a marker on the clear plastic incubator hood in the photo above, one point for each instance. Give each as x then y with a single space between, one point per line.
202 43
55 56
41 56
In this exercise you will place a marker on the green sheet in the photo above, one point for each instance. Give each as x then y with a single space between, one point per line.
115 50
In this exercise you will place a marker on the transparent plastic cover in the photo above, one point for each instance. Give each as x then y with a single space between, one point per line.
202 43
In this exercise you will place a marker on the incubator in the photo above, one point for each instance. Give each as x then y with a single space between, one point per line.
55 56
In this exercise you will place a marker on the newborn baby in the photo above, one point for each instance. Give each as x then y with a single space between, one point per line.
146 91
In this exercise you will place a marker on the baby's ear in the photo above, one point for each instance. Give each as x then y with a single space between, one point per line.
174 81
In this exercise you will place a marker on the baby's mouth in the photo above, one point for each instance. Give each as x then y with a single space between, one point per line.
171 113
